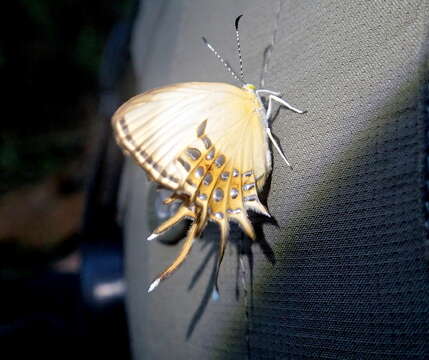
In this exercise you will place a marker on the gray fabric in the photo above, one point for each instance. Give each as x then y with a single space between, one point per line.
349 279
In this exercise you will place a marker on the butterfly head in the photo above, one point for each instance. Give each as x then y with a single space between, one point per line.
249 87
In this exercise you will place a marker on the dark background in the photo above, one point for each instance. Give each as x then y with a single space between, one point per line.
51 140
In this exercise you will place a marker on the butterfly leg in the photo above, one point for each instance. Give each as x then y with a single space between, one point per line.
271 137
261 91
284 103
269 110
268 130
268 113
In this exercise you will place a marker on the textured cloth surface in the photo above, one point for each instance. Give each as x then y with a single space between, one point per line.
343 274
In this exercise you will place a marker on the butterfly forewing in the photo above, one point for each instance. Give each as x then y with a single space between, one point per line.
157 125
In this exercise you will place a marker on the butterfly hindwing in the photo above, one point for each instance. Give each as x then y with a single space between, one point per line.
206 142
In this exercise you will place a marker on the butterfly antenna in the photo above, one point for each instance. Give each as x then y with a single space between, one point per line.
238 47
222 60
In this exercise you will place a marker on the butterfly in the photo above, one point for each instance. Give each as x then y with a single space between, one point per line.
208 143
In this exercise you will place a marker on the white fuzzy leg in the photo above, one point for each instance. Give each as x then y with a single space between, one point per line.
259 91
269 110
268 130
284 103
268 113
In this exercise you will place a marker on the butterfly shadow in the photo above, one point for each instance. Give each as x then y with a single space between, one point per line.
259 220
243 246
243 250
211 253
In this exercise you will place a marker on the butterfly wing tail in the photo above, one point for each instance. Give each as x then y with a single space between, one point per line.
186 248
224 232
184 212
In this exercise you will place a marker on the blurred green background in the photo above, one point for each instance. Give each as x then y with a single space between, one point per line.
49 58
50 54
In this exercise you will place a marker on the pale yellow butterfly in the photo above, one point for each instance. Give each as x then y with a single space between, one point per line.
208 143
